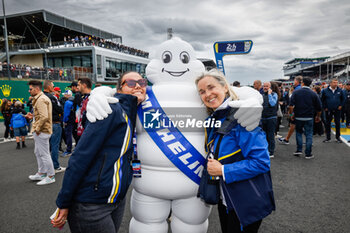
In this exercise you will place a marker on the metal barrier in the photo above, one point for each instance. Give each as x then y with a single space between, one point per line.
42 73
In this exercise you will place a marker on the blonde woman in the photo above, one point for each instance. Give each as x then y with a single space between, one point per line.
242 165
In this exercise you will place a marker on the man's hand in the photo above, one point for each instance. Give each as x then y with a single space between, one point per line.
29 116
214 167
98 106
249 107
317 119
269 91
292 117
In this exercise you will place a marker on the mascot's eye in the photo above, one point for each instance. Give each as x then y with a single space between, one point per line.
184 57
166 57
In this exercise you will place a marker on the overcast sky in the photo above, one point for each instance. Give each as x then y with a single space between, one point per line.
280 30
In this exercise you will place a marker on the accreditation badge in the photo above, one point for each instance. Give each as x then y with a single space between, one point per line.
136 168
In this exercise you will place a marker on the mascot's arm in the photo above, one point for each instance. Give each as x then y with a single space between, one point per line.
98 106
249 107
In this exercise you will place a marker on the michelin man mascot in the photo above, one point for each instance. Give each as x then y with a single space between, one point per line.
171 160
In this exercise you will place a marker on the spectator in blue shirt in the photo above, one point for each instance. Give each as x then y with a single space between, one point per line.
305 103
269 116
297 82
332 99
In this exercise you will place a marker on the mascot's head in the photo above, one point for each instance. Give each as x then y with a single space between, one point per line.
175 61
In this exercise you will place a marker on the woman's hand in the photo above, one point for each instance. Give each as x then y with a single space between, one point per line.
61 218
214 167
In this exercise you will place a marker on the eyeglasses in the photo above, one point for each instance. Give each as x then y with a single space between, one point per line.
132 83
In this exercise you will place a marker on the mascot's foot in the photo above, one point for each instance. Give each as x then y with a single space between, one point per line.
140 227
178 226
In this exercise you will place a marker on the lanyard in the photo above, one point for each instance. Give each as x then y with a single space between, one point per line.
134 142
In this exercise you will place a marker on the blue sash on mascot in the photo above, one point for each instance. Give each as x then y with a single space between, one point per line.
169 139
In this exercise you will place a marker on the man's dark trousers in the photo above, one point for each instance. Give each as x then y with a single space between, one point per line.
269 126
329 117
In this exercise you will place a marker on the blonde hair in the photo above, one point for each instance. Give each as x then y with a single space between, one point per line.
220 77
18 104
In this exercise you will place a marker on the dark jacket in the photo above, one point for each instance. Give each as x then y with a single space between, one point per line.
268 109
57 109
330 100
347 99
306 103
77 100
7 114
99 170
246 185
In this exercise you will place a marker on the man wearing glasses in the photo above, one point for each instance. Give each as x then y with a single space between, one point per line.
99 171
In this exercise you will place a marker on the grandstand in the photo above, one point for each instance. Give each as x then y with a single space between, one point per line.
320 69
47 40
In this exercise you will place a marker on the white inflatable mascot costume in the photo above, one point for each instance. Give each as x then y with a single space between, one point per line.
164 186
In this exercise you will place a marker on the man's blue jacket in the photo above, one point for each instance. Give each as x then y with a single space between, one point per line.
246 183
99 170
331 100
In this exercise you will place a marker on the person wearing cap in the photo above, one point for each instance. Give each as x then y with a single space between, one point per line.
68 121
347 103
57 92
76 103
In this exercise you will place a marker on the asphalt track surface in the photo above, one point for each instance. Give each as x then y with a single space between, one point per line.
311 195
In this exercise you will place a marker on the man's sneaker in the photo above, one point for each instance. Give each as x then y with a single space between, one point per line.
66 154
60 169
47 180
309 157
278 136
272 156
297 153
327 140
283 141
37 176
338 140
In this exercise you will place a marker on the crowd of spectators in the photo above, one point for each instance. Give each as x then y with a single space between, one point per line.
71 41
280 102
34 72
67 121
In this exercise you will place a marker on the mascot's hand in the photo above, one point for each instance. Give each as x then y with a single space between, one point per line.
98 106
249 107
